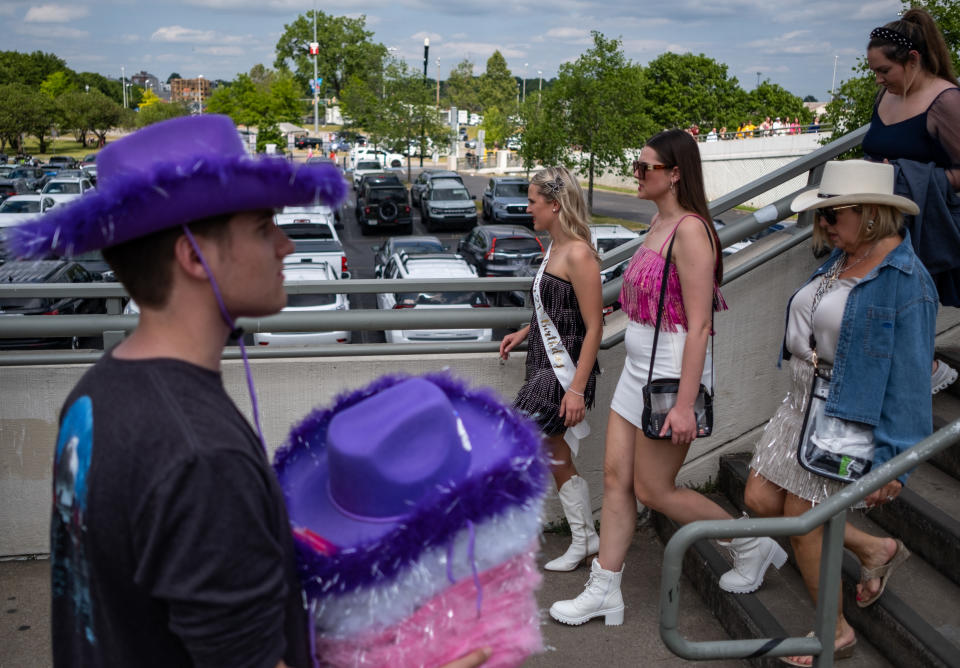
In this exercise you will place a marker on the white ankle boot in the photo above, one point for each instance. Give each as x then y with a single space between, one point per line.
751 557
575 498
601 597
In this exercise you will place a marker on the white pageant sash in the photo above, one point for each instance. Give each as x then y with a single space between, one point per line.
560 360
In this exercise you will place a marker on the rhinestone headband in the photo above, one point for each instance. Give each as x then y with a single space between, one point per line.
889 35
553 188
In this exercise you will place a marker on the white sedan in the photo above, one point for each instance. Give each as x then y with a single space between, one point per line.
18 208
308 271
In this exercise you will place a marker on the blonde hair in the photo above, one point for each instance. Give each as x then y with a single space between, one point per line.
877 221
557 184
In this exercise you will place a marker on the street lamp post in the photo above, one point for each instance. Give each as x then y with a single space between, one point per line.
123 84
423 130
833 83
539 86
199 93
525 65
438 83
315 49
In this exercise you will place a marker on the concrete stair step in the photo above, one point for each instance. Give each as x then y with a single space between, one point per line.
946 409
780 608
917 621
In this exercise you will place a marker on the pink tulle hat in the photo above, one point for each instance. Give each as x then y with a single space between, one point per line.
168 174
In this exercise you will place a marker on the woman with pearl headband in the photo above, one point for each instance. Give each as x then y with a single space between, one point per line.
916 126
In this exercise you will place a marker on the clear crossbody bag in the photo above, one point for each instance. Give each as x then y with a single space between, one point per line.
829 446
660 395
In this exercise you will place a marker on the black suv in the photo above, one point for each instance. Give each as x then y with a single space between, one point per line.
501 250
308 142
46 271
419 185
383 206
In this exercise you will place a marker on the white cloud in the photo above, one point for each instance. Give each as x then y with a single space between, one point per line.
49 32
181 35
568 33
435 38
222 50
55 14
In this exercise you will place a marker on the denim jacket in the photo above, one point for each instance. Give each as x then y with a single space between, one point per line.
881 370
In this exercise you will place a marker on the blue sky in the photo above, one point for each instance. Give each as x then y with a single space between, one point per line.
793 44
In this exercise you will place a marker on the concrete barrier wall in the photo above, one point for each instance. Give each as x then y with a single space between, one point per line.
749 388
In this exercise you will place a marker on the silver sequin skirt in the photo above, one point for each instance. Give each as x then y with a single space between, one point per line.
775 457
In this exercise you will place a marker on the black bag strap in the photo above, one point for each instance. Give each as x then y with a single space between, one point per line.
663 292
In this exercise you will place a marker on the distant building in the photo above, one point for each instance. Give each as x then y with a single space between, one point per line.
332 116
146 81
190 91
818 108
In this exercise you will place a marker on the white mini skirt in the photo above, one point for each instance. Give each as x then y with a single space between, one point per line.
628 397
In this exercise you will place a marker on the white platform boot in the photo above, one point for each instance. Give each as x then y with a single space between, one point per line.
601 597
751 558
575 499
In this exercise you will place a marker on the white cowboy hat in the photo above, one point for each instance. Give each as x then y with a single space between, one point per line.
854 182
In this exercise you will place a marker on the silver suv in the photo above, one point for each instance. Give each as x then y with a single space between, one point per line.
505 201
447 203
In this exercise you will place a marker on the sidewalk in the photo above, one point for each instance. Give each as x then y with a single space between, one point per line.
25 629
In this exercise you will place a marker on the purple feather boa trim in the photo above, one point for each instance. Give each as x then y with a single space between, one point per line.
206 185
519 480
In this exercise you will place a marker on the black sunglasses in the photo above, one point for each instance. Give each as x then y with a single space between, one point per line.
640 168
829 213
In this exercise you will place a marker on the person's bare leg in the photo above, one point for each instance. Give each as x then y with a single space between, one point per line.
807 549
762 497
618 515
872 551
561 460
655 471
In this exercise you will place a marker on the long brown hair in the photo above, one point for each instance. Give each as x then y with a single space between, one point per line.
919 27
678 149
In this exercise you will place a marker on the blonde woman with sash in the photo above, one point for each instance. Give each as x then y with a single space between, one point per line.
562 342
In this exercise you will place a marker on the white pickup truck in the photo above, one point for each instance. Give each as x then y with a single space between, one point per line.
314 235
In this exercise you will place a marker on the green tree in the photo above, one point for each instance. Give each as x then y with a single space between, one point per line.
599 102
497 126
28 68
269 133
947 15
262 96
25 111
104 114
160 111
346 50
57 84
497 87
544 136
770 99
684 89
109 87
173 75
463 87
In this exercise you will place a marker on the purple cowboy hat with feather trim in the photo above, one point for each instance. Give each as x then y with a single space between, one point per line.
167 174
399 467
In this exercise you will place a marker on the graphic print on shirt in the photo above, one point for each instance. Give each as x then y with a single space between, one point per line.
71 465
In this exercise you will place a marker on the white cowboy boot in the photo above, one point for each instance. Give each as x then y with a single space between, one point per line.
751 558
575 498
601 597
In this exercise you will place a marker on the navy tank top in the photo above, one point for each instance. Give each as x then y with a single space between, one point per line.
908 139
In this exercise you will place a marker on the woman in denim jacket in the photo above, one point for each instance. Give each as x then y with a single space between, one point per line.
870 299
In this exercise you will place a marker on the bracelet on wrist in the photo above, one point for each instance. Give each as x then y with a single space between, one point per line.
579 394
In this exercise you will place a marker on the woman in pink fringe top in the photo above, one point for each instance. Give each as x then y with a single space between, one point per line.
669 174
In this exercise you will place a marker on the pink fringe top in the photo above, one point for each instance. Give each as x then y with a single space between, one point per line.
640 293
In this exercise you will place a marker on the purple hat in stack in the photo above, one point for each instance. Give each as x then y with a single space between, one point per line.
168 174
416 504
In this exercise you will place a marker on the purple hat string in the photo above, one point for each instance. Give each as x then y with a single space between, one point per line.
235 332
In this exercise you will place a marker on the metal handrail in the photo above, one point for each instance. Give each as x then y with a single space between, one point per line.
115 325
831 512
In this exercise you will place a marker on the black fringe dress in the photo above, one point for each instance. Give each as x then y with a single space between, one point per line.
540 395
